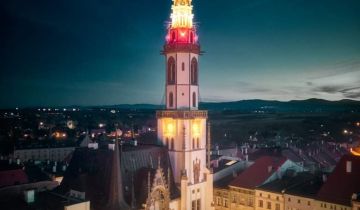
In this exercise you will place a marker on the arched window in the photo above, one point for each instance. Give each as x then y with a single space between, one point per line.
171 99
198 143
193 143
171 71
194 99
172 143
167 142
194 71
191 37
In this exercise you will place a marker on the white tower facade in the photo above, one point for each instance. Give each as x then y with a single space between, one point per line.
182 126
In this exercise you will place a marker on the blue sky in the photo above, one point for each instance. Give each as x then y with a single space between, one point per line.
96 52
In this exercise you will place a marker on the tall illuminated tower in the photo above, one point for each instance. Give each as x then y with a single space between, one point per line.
182 127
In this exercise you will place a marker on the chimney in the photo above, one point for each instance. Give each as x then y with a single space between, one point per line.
29 196
111 147
324 178
348 166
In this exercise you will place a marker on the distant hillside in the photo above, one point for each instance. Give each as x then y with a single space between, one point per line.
310 105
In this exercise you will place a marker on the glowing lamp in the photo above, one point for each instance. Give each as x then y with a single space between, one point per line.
170 129
358 124
182 34
355 151
196 129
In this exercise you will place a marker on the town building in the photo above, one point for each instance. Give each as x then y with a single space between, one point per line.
341 185
240 192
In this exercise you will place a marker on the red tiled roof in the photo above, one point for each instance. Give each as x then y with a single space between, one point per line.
259 172
12 177
340 185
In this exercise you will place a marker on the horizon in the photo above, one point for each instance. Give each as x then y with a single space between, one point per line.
152 104
93 54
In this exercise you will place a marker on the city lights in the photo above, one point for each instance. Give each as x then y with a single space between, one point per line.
354 152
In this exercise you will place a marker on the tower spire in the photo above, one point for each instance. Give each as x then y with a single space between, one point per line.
116 196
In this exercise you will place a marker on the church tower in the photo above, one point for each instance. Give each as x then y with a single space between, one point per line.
182 126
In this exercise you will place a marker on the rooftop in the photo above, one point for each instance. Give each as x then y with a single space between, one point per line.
259 172
343 182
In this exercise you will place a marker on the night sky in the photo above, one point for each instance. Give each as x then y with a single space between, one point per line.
102 52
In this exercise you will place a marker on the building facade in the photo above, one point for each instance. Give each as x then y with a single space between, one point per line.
182 126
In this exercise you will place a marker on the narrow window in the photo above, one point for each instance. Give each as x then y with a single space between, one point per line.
171 71
194 72
171 99
261 203
194 99
268 205
173 36
277 206
172 143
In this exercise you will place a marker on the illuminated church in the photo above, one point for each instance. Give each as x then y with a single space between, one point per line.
171 175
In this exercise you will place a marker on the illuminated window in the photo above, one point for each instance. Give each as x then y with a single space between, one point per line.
194 99
171 99
194 71
171 71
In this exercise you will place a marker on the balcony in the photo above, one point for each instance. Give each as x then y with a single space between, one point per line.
182 114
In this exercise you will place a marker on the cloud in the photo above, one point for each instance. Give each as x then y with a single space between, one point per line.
328 89
353 93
